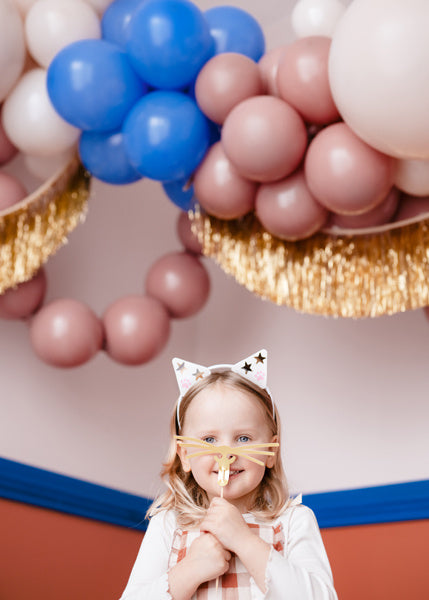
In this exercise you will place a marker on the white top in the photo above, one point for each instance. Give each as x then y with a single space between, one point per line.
303 573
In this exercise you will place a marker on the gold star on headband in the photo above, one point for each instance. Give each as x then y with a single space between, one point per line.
198 374
260 358
246 367
180 366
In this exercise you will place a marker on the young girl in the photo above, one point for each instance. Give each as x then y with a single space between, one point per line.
254 542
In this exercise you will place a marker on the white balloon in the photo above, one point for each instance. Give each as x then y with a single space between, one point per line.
316 17
53 24
12 46
30 120
378 69
24 6
99 5
412 177
44 167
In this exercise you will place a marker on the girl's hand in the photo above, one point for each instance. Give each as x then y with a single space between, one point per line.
225 522
209 558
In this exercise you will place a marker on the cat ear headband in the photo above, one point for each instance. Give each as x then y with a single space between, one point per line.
252 368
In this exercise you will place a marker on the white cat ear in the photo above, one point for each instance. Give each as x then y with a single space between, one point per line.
254 367
188 373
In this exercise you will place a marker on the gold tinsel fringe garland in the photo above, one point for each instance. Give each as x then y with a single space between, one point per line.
343 276
39 225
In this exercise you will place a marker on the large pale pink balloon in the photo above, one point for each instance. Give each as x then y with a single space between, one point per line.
185 234
302 80
22 301
379 215
378 73
136 328
268 65
264 138
31 121
412 206
53 24
180 282
224 81
288 210
11 191
66 333
220 189
12 46
345 174
412 176
7 149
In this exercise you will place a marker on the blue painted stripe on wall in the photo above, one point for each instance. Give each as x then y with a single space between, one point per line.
46 489
32 485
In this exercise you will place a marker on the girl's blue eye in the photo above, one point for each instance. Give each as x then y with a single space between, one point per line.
209 439
244 438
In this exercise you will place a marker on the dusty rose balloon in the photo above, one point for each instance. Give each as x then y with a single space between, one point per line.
184 232
268 66
180 282
66 333
220 189
25 299
11 191
7 149
412 176
379 215
302 80
264 138
411 206
224 81
136 328
288 210
345 174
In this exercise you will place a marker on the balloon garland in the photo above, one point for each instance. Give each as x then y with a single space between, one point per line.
297 186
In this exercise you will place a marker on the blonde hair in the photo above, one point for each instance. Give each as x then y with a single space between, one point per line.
185 496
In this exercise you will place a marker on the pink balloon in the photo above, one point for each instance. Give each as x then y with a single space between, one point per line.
379 215
11 191
345 174
66 333
268 65
184 232
25 299
412 206
302 79
288 210
7 149
219 188
264 138
136 328
224 81
180 282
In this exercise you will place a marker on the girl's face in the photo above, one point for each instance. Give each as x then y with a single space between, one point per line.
224 416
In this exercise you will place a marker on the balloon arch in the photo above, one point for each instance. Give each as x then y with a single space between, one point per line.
304 169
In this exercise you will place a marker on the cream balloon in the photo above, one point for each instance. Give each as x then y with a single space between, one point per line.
412 177
378 74
316 17
12 47
30 120
24 5
53 24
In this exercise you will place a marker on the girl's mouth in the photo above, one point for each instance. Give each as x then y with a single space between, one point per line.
232 473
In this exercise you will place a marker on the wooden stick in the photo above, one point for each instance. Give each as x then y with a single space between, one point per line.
217 578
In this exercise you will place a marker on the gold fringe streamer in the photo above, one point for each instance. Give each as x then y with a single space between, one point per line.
342 276
36 227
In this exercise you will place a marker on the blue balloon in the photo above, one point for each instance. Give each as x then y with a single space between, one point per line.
166 136
92 85
116 20
104 155
235 30
169 42
180 193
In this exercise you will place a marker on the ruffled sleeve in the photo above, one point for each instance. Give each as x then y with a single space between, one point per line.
149 576
303 572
